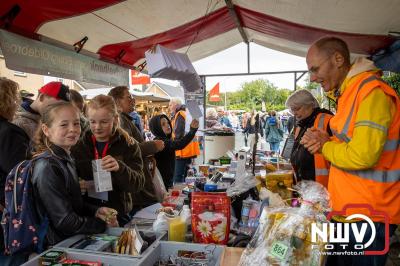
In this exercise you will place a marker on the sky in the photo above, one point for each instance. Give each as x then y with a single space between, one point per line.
234 60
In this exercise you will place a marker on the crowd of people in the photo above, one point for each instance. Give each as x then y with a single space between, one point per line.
271 125
354 152
64 138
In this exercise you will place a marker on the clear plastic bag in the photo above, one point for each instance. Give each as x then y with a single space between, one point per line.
284 234
242 184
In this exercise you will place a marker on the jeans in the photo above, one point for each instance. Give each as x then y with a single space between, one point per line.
181 167
274 146
365 260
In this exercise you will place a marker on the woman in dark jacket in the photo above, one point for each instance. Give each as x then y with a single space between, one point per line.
251 128
125 105
14 143
56 187
305 109
161 128
119 153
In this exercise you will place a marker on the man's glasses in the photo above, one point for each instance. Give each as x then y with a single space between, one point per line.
315 69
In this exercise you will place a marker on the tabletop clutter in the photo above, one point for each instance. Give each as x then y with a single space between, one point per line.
221 203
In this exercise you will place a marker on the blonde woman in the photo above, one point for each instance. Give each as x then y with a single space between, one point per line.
119 154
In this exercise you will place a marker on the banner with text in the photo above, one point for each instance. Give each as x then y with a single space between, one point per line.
27 55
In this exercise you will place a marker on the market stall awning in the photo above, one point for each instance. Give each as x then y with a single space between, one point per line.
121 31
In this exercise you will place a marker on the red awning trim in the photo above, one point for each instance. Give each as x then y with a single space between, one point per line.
207 27
272 26
34 14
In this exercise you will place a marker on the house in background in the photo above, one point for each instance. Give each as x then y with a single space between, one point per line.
165 90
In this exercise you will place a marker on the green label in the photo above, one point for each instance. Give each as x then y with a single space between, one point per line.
279 250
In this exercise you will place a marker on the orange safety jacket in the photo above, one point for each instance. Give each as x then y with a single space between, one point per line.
193 148
322 165
378 186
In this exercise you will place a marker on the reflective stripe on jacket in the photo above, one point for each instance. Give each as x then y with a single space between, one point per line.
378 186
192 149
321 165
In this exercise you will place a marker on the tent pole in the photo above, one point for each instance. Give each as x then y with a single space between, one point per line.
248 57
203 81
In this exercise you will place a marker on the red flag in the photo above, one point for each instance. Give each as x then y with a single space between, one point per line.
139 78
214 94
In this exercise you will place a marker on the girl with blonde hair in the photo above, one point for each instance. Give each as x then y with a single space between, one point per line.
55 183
119 154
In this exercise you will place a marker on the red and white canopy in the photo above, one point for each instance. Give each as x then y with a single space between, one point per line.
121 31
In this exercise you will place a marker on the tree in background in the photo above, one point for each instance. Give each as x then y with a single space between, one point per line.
253 93
393 79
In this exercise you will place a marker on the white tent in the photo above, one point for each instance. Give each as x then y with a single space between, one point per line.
121 31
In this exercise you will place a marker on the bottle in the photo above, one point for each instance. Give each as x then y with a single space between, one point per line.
186 215
177 230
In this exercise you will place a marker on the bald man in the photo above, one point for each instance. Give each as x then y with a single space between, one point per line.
364 150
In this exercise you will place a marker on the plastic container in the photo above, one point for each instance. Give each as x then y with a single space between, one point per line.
161 225
109 260
114 231
177 230
164 250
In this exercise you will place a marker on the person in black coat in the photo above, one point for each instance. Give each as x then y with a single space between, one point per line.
305 109
161 128
14 142
14 146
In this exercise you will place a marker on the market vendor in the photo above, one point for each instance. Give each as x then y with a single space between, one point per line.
364 151
305 108
184 156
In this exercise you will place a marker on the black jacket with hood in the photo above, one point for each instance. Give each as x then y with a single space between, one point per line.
166 158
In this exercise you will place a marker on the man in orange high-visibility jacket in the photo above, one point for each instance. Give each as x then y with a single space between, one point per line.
192 150
364 151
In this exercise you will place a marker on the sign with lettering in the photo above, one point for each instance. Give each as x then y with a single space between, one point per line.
27 55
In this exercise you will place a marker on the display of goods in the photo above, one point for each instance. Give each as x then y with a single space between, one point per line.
129 243
210 217
69 262
279 182
51 257
224 160
284 235
204 169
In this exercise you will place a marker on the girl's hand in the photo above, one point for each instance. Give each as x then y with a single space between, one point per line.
108 215
84 187
109 164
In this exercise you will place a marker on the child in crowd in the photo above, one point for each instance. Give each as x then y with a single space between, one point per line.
119 154
161 128
55 182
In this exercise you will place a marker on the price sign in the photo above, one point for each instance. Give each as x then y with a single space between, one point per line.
279 250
